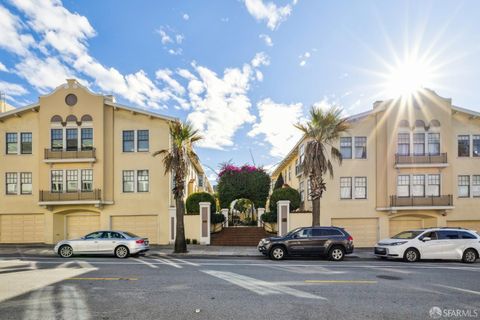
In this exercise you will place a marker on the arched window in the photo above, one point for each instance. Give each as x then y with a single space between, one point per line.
86 118
404 124
56 119
435 123
419 124
71 118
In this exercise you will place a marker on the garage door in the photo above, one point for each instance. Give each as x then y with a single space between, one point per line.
78 226
143 226
22 228
397 226
363 231
467 224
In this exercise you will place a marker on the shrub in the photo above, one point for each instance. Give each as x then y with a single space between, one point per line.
269 217
286 193
194 241
187 241
216 218
193 202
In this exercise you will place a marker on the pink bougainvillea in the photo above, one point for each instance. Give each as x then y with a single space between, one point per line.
230 168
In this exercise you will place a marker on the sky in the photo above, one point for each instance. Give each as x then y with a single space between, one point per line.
242 71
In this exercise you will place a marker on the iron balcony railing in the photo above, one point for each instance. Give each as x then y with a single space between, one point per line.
430 201
49 196
420 159
70 154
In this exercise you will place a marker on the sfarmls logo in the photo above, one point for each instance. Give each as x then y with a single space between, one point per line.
437 313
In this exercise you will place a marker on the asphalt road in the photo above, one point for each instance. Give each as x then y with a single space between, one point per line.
163 287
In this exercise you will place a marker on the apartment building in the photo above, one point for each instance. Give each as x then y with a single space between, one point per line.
406 164
76 162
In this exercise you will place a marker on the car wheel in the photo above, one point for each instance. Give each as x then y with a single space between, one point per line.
336 254
469 256
411 255
65 251
277 253
121 252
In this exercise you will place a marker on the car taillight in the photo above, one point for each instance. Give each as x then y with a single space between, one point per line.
350 238
140 241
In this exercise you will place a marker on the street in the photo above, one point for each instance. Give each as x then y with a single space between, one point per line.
161 287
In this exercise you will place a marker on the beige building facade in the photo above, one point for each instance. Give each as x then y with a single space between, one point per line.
76 162
407 164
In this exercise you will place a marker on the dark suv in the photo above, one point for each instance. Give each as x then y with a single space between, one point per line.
332 242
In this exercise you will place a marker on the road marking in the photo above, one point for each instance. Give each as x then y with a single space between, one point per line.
104 279
41 305
342 281
184 261
151 265
73 304
260 287
458 289
169 263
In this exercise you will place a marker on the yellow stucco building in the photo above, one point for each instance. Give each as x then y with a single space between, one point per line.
407 164
76 162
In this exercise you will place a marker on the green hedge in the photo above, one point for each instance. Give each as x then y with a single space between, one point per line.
270 217
286 193
193 202
216 218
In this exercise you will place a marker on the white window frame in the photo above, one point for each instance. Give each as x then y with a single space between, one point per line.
350 197
469 186
355 187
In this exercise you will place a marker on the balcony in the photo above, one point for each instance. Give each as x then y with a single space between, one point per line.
61 198
55 156
415 203
415 161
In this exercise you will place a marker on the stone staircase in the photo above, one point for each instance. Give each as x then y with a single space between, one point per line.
238 236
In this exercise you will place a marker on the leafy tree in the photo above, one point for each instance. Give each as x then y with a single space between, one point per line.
193 202
279 183
286 193
323 129
246 182
175 161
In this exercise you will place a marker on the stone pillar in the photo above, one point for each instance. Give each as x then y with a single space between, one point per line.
204 222
260 211
172 224
225 214
283 219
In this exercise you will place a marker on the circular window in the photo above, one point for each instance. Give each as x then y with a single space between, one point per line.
71 99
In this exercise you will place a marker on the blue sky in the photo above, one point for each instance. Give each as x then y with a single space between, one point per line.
241 71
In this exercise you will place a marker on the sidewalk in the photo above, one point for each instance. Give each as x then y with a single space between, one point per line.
193 250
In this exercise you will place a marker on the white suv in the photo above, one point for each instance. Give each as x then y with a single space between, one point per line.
433 243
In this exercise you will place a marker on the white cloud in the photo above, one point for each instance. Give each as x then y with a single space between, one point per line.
175 52
268 11
11 38
165 75
276 124
165 38
267 39
260 59
303 58
185 16
3 68
12 89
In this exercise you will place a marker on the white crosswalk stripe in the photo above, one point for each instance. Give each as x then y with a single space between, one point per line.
151 265
169 263
260 287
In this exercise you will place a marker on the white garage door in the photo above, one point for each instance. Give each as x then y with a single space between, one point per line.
467 224
143 226
363 230
22 228
81 225
397 226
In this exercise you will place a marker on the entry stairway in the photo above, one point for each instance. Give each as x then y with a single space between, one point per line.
238 236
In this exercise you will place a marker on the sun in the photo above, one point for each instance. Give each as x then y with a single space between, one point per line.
408 76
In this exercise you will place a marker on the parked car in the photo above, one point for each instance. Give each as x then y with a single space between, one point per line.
432 243
329 241
119 243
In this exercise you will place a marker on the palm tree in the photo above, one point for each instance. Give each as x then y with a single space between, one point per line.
175 161
321 132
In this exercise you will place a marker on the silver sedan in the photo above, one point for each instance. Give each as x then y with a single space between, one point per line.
120 243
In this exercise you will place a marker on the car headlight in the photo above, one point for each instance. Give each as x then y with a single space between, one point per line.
398 243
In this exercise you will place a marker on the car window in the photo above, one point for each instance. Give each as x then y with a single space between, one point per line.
131 235
448 235
305 233
432 235
466 235
112 235
325 232
94 235
407 235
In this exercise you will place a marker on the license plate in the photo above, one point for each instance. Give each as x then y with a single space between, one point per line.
146 243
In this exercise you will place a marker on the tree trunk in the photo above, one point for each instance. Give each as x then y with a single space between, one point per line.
180 244
315 212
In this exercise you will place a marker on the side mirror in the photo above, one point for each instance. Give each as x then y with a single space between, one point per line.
424 239
295 236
